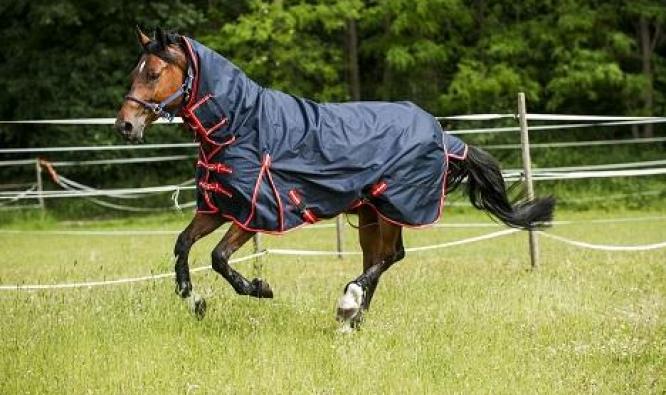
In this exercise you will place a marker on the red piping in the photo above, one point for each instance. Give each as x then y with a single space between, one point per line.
277 196
264 166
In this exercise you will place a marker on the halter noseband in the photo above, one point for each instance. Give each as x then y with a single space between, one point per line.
159 109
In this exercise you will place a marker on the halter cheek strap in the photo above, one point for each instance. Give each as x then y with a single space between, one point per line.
159 109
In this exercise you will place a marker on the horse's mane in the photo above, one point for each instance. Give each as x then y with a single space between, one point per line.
162 40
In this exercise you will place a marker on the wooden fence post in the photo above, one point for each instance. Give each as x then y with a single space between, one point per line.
40 184
527 168
256 240
339 230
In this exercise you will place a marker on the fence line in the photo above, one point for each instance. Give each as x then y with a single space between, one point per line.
19 162
574 175
607 166
587 143
290 252
96 148
605 247
555 127
90 284
454 225
468 117
86 191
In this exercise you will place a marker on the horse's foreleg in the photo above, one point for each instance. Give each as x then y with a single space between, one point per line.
200 226
230 243
382 246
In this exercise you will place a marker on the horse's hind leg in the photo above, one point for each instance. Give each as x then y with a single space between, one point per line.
230 243
382 246
200 226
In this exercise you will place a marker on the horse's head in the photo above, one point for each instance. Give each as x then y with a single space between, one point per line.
158 82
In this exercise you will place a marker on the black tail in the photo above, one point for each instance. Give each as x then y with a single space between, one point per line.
486 190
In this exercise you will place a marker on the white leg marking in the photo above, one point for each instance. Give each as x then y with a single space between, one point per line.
349 306
352 298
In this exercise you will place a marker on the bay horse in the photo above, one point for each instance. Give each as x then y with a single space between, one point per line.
271 162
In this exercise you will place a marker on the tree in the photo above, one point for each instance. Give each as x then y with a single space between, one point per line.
648 18
293 46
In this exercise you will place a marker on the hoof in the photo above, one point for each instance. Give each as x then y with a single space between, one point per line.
261 289
184 289
198 306
350 311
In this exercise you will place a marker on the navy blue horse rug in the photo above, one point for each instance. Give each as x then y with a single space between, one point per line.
271 162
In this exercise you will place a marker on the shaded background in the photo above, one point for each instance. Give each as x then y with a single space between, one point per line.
69 59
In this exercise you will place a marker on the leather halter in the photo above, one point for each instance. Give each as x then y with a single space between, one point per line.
159 109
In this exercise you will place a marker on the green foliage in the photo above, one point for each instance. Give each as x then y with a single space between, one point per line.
70 58
292 46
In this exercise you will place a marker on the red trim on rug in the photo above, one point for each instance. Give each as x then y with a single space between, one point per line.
264 165
277 197
459 157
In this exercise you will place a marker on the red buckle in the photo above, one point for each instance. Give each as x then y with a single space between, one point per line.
379 188
215 187
306 213
309 216
216 167
293 195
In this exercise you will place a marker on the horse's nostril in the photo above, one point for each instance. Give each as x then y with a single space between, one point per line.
127 127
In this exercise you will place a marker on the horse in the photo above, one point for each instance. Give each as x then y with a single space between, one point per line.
271 162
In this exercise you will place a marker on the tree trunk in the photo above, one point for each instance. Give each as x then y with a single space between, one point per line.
647 50
387 77
353 74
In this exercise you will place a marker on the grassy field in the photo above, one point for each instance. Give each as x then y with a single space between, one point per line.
468 319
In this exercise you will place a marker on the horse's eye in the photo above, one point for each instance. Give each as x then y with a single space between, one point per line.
153 76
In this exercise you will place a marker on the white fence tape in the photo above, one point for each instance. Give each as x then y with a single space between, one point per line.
19 162
561 126
96 148
599 174
19 196
588 143
604 247
587 118
98 192
75 189
122 161
562 144
80 121
469 117
294 252
90 284
608 166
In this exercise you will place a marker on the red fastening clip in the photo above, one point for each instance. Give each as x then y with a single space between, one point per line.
215 187
216 167
295 198
307 214
378 189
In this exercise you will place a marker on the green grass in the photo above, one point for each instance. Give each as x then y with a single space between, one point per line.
469 319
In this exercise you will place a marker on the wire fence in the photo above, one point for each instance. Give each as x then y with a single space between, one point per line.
70 188
322 253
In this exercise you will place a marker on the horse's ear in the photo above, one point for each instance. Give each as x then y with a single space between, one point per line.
161 37
142 37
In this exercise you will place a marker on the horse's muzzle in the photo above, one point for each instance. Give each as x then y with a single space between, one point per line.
128 131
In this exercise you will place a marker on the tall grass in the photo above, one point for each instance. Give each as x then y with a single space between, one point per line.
470 319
